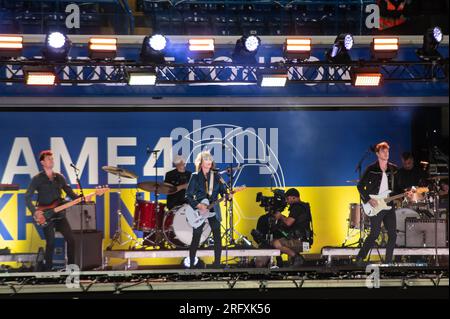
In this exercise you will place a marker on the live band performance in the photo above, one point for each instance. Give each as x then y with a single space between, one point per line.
224 149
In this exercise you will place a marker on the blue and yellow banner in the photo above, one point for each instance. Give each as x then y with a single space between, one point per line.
314 151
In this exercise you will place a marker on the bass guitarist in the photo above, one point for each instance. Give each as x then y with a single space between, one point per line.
48 186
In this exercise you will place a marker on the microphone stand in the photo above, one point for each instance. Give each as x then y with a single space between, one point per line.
82 204
358 169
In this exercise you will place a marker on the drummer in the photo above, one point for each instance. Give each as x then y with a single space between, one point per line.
178 177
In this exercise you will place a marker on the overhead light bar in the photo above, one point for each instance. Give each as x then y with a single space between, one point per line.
384 48
10 46
39 76
366 77
141 77
273 78
102 48
299 49
201 48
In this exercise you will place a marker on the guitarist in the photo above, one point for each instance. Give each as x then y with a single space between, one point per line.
48 186
204 183
378 178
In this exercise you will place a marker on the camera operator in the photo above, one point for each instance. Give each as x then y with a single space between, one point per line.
298 226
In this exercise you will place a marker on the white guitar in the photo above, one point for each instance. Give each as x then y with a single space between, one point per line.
195 218
383 199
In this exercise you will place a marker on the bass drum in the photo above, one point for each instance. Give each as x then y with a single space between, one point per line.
401 214
177 230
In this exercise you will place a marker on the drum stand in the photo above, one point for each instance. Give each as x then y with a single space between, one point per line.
156 231
117 238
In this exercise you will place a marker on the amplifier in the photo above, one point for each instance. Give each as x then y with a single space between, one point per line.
87 214
92 249
421 232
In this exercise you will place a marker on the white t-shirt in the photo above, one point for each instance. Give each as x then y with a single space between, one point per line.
384 184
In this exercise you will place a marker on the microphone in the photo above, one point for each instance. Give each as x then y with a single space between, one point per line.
74 167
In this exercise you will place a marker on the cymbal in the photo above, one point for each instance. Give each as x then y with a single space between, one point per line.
119 172
153 186
438 177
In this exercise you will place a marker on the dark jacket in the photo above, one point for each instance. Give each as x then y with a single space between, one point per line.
197 191
371 180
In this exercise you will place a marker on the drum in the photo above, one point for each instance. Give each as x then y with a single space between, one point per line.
147 217
401 215
355 216
177 230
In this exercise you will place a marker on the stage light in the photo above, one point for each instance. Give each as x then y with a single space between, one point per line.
201 48
273 78
157 42
102 48
10 46
245 49
339 52
299 49
251 43
384 48
57 47
141 77
153 48
366 76
431 40
39 76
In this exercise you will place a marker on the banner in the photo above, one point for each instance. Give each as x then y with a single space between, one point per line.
315 151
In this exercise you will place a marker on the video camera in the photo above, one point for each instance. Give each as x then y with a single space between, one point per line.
272 204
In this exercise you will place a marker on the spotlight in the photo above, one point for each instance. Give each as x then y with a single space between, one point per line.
10 46
102 48
366 76
246 49
201 48
141 77
57 47
153 48
39 76
299 49
339 52
431 40
384 48
273 78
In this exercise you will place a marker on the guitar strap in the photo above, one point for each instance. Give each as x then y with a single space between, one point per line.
211 184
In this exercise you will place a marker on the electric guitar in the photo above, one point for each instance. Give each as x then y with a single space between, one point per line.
195 218
383 199
46 213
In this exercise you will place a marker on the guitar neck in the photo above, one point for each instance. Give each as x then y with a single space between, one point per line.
390 199
71 203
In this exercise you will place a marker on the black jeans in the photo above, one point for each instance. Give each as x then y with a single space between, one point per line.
197 234
61 225
390 223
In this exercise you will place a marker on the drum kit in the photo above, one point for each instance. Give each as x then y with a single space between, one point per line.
419 206
161 227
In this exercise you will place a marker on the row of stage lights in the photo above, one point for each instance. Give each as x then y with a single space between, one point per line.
57 47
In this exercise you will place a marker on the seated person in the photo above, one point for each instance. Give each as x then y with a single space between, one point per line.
297 226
